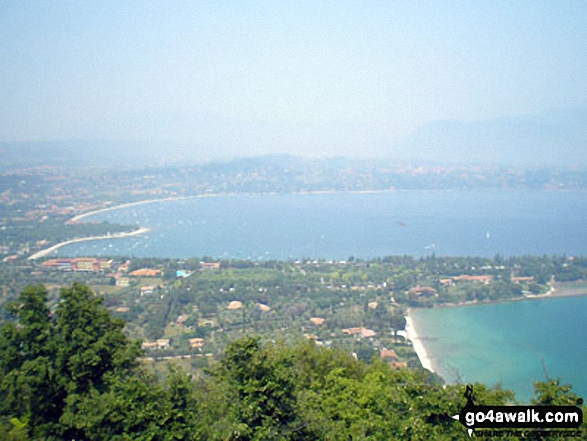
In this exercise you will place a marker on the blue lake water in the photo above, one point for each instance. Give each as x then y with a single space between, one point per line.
511 343
514 343
336 226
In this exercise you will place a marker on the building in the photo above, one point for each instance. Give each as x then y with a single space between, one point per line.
234 305
81 264
425 291
517 280
388 354
162 343
181 319
145 272
122 281
363 332
146 290
486 278
398 365
196 343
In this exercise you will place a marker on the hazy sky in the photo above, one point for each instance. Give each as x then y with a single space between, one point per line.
320 77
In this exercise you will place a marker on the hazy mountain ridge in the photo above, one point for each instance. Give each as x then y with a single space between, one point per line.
555 138
551 138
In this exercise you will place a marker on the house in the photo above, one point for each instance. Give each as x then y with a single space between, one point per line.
209 265
318 321
234 305
486 278
146 290
398 365
517 280
426 291
145 272
263 307
388 354
122 281
181 319
367 333
351 331
162 343
363 332
196 343
123 268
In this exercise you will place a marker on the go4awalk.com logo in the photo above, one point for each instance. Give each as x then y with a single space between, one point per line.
513 418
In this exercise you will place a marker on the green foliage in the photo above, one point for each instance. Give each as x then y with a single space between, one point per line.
45 360
72 374
552 393
263 391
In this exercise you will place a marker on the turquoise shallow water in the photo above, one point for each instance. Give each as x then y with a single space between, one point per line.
512 343
336 226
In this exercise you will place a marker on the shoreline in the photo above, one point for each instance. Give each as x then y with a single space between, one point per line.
46 251
78 217
417 344
557 291
132 204
141 230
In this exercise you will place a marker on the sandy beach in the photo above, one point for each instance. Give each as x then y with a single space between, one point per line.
213 195
417 343
132 204
49 250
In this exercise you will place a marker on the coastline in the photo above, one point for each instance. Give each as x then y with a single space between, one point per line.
214 195
46 251
419 347
557 290
132 204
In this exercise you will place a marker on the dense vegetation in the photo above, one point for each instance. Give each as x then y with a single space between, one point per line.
30 233
317 299
69 372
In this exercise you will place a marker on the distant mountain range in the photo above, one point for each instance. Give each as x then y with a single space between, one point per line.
557 138
553 138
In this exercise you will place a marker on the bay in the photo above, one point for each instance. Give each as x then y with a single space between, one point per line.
512 343
339 225
507 343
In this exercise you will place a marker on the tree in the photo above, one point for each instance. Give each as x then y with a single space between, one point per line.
27 376
46 362
263 392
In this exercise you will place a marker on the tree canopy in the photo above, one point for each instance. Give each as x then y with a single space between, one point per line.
69 372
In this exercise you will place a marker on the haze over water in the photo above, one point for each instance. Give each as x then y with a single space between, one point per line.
336 226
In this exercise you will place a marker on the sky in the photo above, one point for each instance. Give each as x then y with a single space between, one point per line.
315 78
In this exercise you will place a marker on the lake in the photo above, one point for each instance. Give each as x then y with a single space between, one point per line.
339 225
512 343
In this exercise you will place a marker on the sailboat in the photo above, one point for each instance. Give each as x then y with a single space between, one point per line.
487 235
